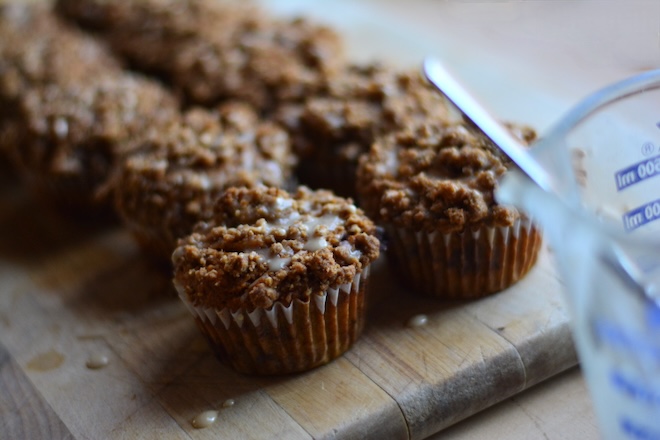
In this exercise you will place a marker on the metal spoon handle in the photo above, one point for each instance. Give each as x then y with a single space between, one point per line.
475 112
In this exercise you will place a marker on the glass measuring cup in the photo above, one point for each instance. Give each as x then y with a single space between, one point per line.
593 183
607 244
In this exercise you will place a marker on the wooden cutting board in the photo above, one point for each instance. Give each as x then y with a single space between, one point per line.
71 291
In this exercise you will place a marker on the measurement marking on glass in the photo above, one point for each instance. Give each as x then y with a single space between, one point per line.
642 215
637 172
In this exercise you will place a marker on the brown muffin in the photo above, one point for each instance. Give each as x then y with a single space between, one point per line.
276 281
432 188
36 50
149 32
171 181
72 136
69 109
331 132
212 50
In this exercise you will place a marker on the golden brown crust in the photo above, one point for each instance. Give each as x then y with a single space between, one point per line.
266 245
434 178
214 50
172 179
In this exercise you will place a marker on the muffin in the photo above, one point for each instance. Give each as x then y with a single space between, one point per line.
148 32
432 189
72 136
173 177
332 131
276 281
68 109
212 50
37 50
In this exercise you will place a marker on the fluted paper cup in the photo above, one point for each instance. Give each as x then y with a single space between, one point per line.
286 339
465 265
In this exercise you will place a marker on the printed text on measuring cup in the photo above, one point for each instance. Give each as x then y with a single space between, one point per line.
637 172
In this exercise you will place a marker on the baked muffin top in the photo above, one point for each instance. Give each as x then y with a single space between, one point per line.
36 49
149 33
265 63
172 178
84 128
436 177
78 132
265 245
214 50
360 104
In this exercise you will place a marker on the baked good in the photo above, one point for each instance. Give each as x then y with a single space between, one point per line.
277 281
432 189
173 177
70 109
213 50
37 50
72 136
331 131
149 32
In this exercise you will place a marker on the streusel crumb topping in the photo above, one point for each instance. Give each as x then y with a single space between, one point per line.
436 177
265 245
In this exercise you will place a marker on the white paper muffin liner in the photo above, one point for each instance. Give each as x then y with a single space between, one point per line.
469 264
286 339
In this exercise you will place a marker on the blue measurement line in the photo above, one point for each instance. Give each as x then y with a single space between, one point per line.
637 173
640 216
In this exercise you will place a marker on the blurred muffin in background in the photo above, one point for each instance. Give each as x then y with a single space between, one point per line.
331 131
173 178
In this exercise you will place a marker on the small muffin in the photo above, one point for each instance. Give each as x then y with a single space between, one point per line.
264 63
277 281
213 50
432 189
72 136
148 32
331 132
37 50
172 179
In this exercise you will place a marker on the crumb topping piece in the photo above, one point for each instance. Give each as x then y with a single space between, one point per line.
265 245
439 177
